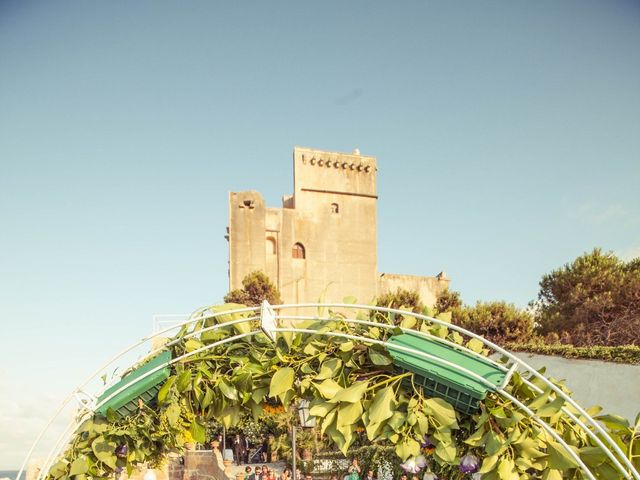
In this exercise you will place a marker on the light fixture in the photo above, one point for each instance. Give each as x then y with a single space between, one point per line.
306 420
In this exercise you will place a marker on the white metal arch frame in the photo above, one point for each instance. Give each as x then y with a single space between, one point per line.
613 451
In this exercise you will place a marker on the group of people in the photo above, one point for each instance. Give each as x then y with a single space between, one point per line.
265 473
241 448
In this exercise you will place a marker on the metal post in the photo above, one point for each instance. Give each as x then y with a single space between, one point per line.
293 449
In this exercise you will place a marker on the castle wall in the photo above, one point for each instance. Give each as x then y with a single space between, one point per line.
332 215
427 287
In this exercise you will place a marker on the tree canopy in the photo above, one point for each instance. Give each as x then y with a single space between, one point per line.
255 287
498 321
594 300
401 298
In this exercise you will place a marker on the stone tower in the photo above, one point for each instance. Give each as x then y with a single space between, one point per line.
322 242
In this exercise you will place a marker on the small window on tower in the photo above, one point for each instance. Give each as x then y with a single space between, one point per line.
271 246
335 208
298 251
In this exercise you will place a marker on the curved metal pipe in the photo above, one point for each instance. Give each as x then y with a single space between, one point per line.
383 310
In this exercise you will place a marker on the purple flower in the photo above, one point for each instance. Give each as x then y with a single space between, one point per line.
427 442
122 451
469 463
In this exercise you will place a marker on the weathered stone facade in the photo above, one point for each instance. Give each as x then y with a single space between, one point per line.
322 242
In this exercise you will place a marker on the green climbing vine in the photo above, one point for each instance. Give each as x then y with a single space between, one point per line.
354 392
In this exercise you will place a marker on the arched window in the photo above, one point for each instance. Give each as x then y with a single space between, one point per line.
271 246
298 251
335 208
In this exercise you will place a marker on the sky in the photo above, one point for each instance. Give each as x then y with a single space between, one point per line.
507 136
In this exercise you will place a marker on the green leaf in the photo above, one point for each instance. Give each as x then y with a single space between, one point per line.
489 463
243 382
227 390
243 327
444 317
475 345
422 425
530 447
408 321
348 414
550 409
457 338
476 439
207 399
551 474
408 447
559 458
79 466
329 369
495 443
281 382
104 451
592 456
442 411
100 425
198 431
505 469
58 469
327 421
173 414
352 394
381 406
372 430
346 346
166 388
446 451
350 299
539 401
328 388
379 358
184 381
614 422
192 344
259 393
256 410
321 409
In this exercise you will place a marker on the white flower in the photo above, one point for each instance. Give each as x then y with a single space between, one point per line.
430 476
410 466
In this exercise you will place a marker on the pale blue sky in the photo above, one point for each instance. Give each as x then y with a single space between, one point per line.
507 137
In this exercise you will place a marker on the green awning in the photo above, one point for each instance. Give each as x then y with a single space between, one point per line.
462 390
126 402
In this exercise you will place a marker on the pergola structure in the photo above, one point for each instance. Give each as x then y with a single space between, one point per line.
437 360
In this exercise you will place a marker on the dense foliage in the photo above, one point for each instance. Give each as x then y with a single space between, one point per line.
354 393
595 300
256 287
448 300
401 299
499 322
